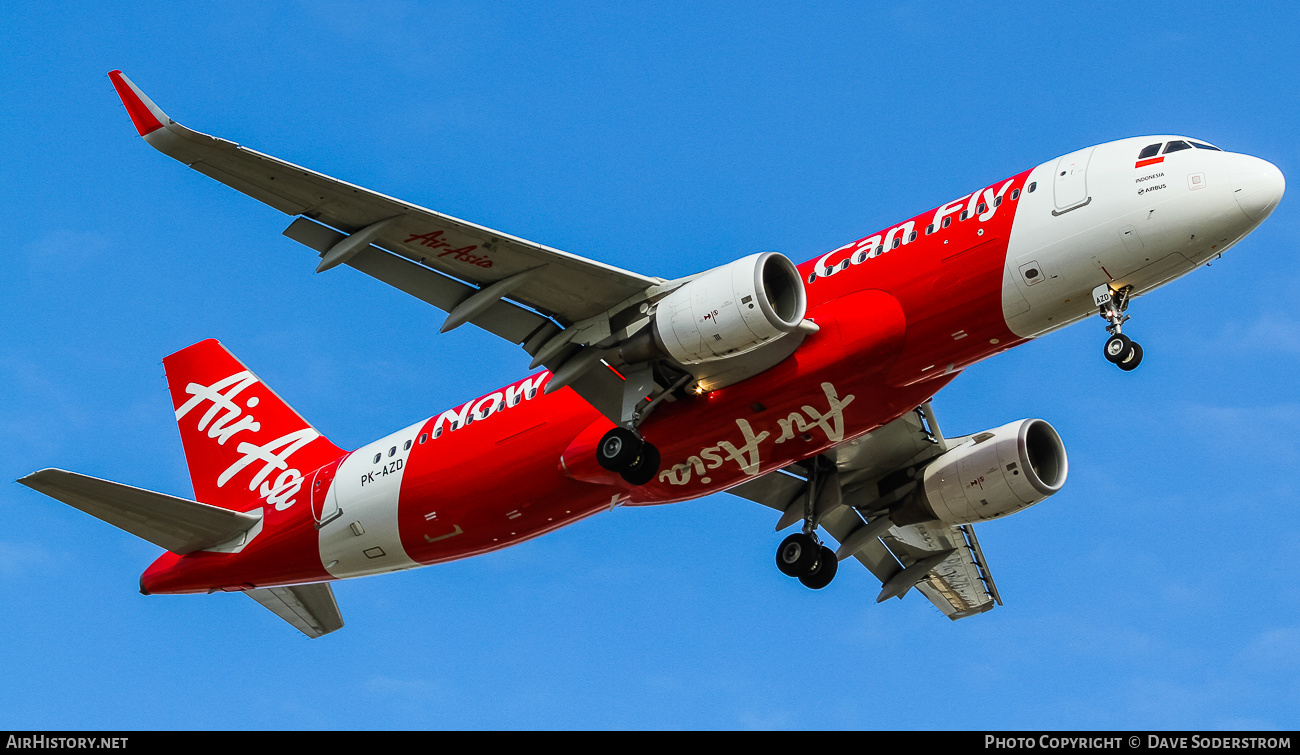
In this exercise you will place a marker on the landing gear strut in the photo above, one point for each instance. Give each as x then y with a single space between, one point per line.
622 451
1119 350
802 555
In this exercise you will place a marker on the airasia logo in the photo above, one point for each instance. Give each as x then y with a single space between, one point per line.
225 418
747 455
435 240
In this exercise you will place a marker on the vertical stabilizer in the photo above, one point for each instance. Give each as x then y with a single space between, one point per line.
243 443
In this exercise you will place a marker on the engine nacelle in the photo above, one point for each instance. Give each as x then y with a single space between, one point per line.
993 474
731 309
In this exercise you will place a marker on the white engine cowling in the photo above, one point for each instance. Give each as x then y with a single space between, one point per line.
731 309
991 475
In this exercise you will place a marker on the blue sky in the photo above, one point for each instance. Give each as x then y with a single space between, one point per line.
1156 590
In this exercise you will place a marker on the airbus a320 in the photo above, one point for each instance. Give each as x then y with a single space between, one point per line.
803 387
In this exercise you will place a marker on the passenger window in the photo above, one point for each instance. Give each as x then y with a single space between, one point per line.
894 245
979 210
1176 146
423 438
997 201
437 431
880 250
1149 151
392 451
911 237
947 221
860 258
844 265
378 456
812 277
407 447
929 229
1033 186
1015 194
1198 145
964 214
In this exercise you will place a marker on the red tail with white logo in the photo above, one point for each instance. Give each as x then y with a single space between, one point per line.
243 443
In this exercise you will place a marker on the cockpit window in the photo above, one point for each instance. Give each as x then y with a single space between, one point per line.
1198 145
1176 146
1149 151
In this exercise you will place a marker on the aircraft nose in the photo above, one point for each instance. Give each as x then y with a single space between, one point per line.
1257 184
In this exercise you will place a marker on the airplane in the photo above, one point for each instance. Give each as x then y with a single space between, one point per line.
806 387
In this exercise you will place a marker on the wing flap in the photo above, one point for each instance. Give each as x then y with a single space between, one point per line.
504 319
960 586
874 555
311 609
177 524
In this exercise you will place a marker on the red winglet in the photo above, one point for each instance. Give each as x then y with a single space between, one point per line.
144 114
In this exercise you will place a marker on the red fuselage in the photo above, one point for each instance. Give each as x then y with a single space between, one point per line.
895 327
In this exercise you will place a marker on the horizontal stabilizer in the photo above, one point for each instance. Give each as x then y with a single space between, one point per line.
177 524
311 609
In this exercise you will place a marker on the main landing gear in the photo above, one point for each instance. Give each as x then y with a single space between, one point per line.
1119 350
623 451
802 556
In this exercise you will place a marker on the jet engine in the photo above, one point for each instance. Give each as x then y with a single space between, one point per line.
991 475
726 311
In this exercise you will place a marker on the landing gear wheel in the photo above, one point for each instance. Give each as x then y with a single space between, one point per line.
823 571
644 467
797 555
1131 359
1117 348
618 449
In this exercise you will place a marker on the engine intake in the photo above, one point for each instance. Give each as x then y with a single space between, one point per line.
730 310
991 475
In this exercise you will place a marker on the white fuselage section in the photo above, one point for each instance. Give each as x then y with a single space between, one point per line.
1095 218
363 537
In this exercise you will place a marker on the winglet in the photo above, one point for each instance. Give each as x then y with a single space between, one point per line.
144 114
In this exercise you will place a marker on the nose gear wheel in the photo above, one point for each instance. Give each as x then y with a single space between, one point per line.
1119 349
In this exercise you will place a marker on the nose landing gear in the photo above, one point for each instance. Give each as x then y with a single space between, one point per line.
1119 350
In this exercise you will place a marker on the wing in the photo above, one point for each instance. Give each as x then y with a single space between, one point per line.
476 274
563 286
944 563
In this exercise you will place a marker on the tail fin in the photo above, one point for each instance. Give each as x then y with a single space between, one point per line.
243 443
